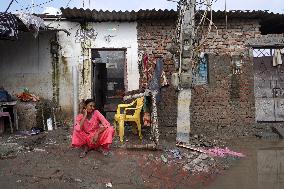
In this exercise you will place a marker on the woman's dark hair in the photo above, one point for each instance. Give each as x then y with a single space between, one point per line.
86 102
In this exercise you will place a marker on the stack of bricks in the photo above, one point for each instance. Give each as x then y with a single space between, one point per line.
227 99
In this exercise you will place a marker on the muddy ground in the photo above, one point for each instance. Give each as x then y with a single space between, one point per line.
46 160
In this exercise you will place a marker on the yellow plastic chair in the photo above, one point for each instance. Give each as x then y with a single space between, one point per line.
122 115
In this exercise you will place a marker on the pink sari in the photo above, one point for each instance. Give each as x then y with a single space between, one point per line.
83 136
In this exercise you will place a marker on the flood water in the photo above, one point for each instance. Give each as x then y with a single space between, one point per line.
263 168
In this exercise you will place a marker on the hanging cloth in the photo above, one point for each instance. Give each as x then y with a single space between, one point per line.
148 72
33 23
277 60
155 83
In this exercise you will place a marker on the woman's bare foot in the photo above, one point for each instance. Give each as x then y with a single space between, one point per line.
107 153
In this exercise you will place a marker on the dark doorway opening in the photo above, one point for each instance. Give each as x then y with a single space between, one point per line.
108 79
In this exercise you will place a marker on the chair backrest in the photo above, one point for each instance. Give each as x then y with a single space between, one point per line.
139 103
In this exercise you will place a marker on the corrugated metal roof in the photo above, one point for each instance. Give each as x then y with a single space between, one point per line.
270 22
103 16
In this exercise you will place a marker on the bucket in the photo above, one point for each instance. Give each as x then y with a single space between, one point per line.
49 124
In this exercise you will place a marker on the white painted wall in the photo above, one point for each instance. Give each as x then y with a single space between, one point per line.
124 36
70 53
26 63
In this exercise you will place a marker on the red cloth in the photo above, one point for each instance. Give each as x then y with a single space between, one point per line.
90 127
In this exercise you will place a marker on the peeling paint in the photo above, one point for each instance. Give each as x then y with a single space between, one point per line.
65 69
55 70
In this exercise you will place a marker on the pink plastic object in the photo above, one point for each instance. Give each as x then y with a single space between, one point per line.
220 152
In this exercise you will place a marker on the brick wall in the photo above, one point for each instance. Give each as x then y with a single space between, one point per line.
153 36
227 99
231 39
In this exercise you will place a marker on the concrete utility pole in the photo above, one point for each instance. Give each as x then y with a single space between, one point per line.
185 70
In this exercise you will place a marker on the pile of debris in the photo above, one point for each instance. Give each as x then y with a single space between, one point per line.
26 96
21 143
200 160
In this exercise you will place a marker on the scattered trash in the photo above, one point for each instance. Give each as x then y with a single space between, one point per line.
203 156
222 152
164 159
39 150
51 142
213 151
179 144
109 185
152 146
35 131
176 154
69 137
78 180
189 156
197 160
26 96
199 164
9 150
18 181
107 153
25 133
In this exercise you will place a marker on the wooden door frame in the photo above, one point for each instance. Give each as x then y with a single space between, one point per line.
108 49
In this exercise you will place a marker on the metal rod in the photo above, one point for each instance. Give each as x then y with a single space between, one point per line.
75 91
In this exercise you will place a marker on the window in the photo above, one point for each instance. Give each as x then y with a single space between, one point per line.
200 73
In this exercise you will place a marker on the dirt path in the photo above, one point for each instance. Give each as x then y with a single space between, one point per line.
47 161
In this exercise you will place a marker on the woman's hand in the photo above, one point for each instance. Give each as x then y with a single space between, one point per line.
85 113
97 135
101 129
95 138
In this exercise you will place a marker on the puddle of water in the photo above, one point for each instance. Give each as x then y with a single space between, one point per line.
270 168
263 168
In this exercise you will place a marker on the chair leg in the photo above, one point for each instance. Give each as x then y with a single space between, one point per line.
139 129
11 125
121 130
115 127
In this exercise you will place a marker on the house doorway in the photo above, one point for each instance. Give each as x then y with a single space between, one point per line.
268 86
108 79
